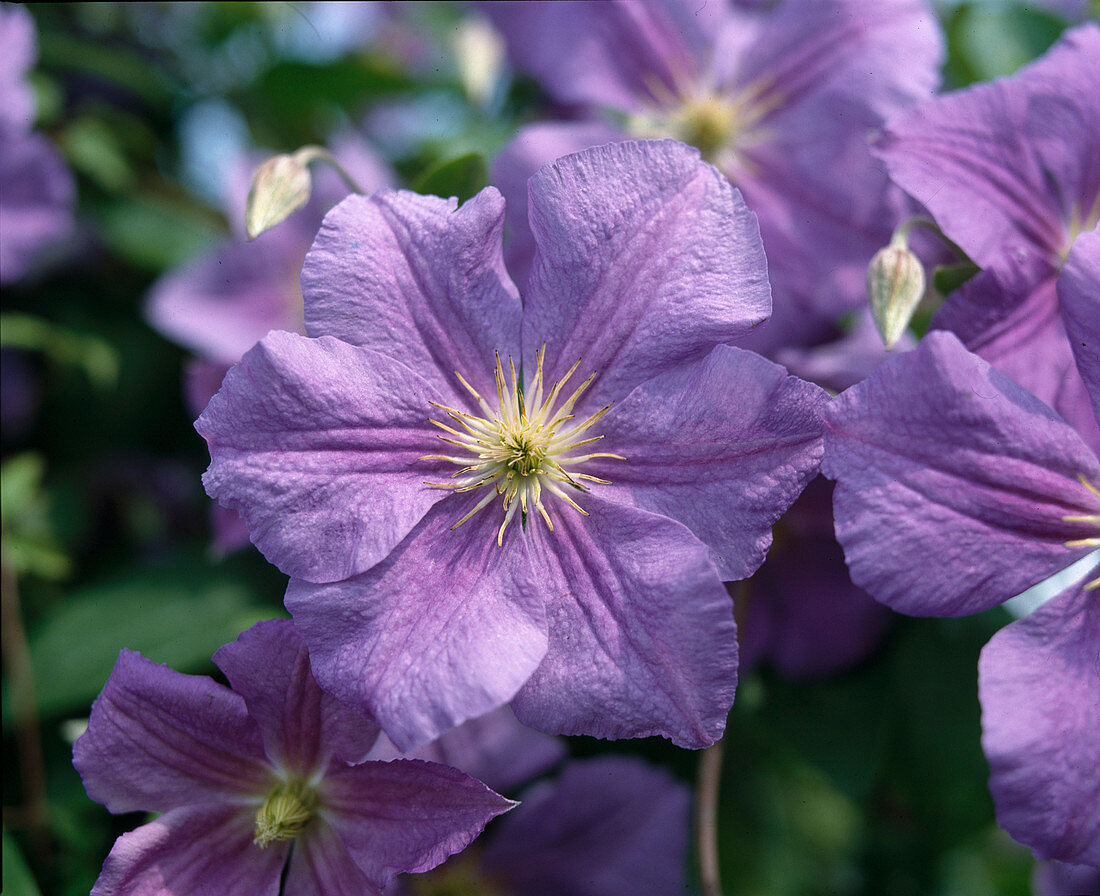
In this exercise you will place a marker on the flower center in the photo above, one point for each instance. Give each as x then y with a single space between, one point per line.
524 450
285 812
1089 541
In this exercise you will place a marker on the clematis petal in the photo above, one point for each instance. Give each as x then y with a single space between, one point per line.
406 815
200 850
646 258
534 146
321 864
616 824
1079 295
447 627
268 665
1006 167
1010 321
642 639
1039 684
494 748
158 739
418 280
723 446
953 483
612 53
316 444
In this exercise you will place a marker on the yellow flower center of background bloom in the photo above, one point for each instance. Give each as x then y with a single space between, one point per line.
285 812
523 450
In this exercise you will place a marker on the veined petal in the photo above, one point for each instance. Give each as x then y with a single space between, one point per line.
646 258
447 627
642 638
1006 167
406 815
954 485
302 727
615 823
1079 295
198 850
158 739
316 444
419 280
723 445
1039 684
321 864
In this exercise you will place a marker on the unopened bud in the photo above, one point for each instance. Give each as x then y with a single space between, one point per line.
280 186
895 285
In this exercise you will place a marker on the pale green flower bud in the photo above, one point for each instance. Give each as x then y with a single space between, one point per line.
895 285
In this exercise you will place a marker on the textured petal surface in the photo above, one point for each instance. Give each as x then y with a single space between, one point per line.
446 628
614 53
939 457
607 827
197 851
419 280
1039 684
534 146
642 639
1006 167
315 443
495 748
302 726
158 739
1079 295
646 258
321 865
1011 321
724 446
406 815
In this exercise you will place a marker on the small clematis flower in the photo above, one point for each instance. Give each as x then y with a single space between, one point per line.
1009 171
482 501
255 785
940 457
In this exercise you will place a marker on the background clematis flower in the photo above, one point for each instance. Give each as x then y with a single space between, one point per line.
573 563
956 490
36 185
254 785
1011 172
782 101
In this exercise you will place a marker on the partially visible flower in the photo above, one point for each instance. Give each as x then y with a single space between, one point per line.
1011 172
612 826
783 101
255 782
956 490
606 458
36 187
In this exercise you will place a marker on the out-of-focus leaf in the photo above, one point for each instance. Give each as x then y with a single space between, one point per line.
28 541
461 177
113 63
991 40
155 233
165 614
96 357
949 277
92 148
18 880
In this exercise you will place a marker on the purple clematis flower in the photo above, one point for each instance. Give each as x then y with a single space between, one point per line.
36 186
956 490
1011 173
254 785
615 460
783 101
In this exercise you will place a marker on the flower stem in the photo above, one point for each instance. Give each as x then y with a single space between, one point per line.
706 818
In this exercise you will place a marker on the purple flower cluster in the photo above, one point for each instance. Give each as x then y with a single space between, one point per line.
499 504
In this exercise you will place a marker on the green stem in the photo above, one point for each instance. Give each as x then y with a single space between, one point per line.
706 818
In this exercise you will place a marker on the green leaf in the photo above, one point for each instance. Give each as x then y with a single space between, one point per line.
18 880
949 277
165 614
96 357
153 232
463 177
